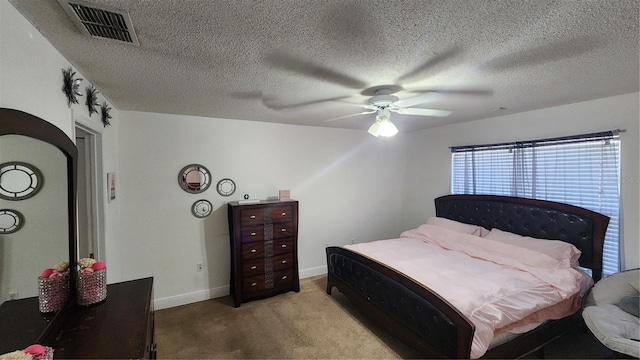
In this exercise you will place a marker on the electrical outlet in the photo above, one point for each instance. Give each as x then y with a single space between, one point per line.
13 295
199 266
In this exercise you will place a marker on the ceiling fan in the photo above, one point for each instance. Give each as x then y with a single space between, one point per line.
383 103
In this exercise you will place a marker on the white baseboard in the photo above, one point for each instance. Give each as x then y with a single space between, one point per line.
189 298
320 270
202 295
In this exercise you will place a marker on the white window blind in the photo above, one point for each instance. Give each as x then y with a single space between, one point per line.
581 170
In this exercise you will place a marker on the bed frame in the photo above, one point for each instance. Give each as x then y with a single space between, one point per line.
422 319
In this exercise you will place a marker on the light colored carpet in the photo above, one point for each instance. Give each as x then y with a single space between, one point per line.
305 325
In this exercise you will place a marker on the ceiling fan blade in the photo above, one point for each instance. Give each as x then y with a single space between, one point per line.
423 112
415 100
244 95
289 63
251 95
351 115
480 92
274 106
545 53
432 62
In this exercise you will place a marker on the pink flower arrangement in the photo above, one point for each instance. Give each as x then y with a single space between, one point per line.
33 352
57 270
89 265
39 352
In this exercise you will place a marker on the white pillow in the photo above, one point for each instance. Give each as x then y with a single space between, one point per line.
457 226
557 249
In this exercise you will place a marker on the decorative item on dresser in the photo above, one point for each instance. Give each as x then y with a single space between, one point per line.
264 249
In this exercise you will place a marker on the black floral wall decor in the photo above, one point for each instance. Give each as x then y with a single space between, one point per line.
92 99
70 86
105 114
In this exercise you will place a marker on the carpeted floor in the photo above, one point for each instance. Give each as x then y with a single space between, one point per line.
304 325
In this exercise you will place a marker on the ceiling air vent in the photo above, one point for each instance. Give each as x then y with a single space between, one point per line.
101 22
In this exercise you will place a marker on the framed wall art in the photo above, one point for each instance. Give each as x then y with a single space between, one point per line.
111 186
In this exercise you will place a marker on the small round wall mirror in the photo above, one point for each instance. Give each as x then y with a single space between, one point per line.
10 221
19 180
201 208
194 178
226 187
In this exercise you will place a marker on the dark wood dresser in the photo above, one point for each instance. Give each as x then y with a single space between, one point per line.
120 327
264 249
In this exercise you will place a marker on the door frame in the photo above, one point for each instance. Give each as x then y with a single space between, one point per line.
98 182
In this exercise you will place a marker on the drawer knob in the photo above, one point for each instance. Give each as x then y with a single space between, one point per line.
284 214
283 229
284 261
253 250
253 234
252 217
284 246
254 267
284 277
254 284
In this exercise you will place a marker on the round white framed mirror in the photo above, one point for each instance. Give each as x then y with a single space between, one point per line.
201 208
226 187
19 180
194 178
10 221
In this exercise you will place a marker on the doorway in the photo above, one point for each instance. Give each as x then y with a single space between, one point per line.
89 183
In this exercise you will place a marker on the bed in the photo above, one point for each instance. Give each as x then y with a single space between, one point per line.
422 318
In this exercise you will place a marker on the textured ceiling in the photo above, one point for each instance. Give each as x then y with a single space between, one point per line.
277 60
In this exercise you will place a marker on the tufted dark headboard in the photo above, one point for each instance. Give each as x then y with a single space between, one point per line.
541 219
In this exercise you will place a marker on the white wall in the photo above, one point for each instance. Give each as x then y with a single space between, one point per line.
31 81
31 71
348 183
429 157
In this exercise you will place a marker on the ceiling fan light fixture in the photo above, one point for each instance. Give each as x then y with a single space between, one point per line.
387 128
374 129
383 126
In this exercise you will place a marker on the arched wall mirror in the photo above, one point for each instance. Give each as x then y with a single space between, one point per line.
48 233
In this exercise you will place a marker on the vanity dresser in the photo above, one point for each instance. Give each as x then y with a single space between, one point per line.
264 249
120 327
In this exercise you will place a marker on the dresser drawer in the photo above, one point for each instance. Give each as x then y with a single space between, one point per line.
267 231
263 215
252 233
253 267
282 246
253 250
283 278
284 261
258 283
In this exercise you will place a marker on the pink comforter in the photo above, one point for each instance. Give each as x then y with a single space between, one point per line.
493 284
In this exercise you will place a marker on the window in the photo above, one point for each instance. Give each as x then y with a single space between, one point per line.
580 170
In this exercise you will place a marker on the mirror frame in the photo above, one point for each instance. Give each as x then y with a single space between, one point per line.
16 122
200 215
183 182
